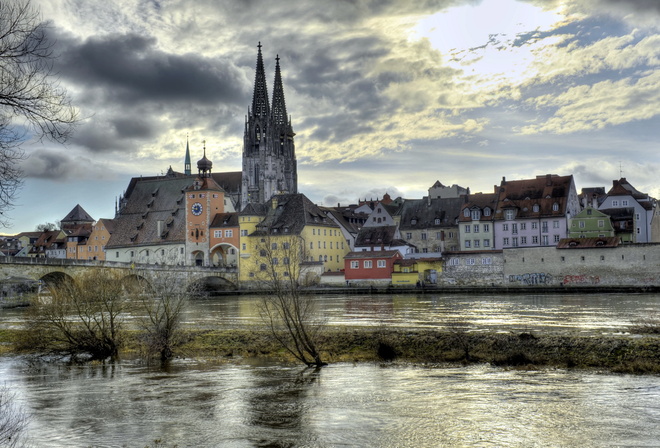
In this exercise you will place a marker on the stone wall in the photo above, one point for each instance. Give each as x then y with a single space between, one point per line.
629 265
472 269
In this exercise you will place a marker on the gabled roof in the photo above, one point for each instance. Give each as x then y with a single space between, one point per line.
543 192
224 220
152 200
382 236
480 201
108 223
422 213
77 215
290 213
622 187
252 209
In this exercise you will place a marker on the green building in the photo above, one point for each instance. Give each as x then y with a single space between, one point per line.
590 223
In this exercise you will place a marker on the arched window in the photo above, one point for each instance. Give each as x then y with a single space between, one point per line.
555 207
535 208
487 211
257 133
466 212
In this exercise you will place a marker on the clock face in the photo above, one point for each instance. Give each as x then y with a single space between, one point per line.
196 209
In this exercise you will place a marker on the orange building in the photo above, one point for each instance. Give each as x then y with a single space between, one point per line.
224 239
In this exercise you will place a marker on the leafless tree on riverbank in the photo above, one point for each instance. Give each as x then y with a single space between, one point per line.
13 420
293 317
32 103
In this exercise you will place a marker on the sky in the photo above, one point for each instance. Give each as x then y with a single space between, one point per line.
385 96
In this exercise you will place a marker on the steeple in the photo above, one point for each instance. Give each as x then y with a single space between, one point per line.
280 118
260 105
204 165
186 163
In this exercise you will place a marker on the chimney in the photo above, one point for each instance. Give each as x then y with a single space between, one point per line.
159 227
548 180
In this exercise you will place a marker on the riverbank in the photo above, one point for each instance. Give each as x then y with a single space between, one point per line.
622 354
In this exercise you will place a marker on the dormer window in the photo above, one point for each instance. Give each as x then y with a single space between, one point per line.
466 213
487 211
535 208
413 221
555 207
437 221
509 214
476 214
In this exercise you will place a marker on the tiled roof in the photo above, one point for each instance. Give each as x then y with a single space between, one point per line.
152 200
372 254
229 181
376 236
290 213
587 243
422 213
543 192
225 220
480 201
622 187
78 214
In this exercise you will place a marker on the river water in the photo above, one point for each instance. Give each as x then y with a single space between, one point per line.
249 403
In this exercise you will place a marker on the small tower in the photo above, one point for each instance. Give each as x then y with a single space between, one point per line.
186 163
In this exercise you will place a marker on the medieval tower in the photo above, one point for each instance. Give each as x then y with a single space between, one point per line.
269 157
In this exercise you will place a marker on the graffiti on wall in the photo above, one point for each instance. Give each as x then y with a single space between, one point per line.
581 280
531 279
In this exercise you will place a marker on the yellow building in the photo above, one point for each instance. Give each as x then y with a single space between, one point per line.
409 271
289 236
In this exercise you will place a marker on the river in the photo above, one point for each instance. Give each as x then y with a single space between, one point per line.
249 403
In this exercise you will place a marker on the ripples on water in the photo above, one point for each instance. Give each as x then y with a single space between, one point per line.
247 405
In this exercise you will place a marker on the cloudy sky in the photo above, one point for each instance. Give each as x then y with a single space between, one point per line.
385 95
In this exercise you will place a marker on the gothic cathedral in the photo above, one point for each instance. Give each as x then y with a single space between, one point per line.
269 157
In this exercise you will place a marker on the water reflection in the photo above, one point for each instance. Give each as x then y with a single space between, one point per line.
252 404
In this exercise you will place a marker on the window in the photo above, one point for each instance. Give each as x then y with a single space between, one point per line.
523 226
408 235
438 235
555 207
437 221
451 234
476 243
382 263
508 214
285 260
454 262
544 227
273 246
368 264
615 203
535 208
535 239
515 241
229 233
470 261
413 221
486 227
556 238
486 243
466 213
262 267
275 261
514 228
116 254
311 245
475 228
637 216
468 244
487 260
555 224
132 254
523 240
581 224
476 214
505 241
624 203
244 233
355 264
286 245
423 236
487 211
505 227
535 225
545 240
217 234
425 250
467 228
262 252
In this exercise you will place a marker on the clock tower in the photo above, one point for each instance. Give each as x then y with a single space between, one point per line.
204 199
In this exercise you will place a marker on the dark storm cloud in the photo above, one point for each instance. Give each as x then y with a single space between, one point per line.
130 69
50 165
635 5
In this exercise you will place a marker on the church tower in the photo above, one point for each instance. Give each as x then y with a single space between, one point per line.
269 159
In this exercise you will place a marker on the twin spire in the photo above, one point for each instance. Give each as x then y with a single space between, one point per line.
260 103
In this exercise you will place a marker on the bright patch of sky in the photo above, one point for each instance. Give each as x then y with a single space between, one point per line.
481 39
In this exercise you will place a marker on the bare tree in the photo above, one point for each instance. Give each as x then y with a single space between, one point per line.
84 316
46 226
163 299
13 420
32 103
293 317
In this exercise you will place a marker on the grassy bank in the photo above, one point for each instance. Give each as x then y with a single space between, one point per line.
526 350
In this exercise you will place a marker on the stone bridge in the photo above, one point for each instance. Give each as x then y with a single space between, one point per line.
49 270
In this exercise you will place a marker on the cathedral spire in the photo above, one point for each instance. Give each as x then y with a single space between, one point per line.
279 106
260 97
186 162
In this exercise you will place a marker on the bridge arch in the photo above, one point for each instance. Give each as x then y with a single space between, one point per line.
136 283
210 284
55 279
224 254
